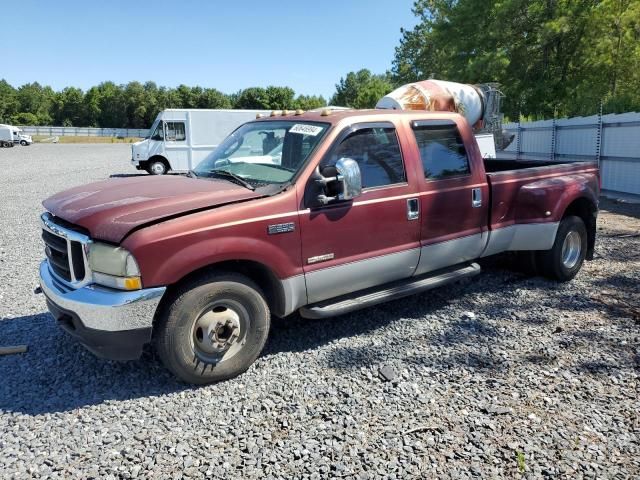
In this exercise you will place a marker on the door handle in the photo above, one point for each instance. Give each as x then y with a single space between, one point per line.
476 198
413 209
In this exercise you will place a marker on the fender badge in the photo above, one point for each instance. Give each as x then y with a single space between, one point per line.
320 258
281 228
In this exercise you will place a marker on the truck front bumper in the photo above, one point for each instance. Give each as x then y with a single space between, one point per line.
112 324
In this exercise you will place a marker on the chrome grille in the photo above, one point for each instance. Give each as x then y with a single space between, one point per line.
65 250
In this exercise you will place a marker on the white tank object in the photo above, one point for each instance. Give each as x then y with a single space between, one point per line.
437 95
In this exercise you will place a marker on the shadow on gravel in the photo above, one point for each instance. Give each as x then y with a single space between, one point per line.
58 375
620 208
525 305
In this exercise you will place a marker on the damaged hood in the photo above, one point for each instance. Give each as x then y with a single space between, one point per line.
112 208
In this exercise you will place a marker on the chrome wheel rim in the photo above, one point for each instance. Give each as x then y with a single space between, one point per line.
219 332
571 249
157 168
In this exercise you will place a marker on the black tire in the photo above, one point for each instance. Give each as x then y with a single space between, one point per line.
180 342
23 143
557 263
157 167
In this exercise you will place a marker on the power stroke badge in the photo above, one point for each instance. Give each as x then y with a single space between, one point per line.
281 228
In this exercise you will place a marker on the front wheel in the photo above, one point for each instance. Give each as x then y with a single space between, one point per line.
214 328
23 143
157 167
564 260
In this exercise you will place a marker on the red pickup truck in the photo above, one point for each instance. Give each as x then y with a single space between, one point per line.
319 213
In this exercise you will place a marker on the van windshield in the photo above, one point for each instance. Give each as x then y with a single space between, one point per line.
154 131
263 153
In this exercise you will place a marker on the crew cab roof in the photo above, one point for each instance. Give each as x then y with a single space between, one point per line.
335 117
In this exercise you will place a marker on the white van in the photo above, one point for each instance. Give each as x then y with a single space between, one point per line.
179 139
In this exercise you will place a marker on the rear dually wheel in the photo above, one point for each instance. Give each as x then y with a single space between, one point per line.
564 260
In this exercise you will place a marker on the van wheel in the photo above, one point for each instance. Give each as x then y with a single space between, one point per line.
564 260
157 167
214 328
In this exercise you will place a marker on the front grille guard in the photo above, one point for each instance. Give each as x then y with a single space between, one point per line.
79 267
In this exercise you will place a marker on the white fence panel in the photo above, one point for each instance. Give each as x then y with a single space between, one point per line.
86 131
612 140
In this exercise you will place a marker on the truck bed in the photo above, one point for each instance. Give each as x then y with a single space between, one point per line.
529 191
495 165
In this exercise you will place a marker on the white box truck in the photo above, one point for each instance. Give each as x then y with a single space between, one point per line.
180 139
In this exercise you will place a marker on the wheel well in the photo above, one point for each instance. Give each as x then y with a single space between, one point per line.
160 158
588 212
259 273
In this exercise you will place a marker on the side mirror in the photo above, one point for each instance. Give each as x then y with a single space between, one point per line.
350 177
345 185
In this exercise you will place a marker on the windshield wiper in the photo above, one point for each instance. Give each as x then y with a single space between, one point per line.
192 174
232 176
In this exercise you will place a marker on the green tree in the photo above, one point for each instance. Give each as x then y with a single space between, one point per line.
8 101
37 100
550 56
252 98
279 98
309 102
69 108
361 89
24 118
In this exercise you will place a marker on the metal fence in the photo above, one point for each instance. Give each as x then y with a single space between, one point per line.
86 131
611 140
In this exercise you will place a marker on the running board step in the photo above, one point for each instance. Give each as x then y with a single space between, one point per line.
390 291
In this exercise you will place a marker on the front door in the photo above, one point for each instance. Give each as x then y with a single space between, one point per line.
454 201
176 147
373 239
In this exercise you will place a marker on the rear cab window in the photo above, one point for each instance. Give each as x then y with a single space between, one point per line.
377 151
442 150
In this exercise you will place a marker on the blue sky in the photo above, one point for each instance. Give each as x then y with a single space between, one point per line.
229 45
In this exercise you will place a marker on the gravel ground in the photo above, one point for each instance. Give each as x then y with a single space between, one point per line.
502 376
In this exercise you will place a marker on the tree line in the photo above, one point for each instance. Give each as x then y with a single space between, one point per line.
551 58
134 105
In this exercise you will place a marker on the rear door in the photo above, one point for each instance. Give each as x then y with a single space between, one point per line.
454 201
373 239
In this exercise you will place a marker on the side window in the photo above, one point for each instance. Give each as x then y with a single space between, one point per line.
442 152
175 131
378 155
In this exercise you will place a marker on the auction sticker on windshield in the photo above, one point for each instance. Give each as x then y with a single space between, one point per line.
303 129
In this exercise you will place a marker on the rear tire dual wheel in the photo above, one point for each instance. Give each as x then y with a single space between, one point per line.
213 329
564 260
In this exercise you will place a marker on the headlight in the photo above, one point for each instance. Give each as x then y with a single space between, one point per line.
113 267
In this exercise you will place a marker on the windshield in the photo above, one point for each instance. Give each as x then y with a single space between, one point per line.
154 127
265 152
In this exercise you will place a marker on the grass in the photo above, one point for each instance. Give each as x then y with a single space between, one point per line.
522 466
72 139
